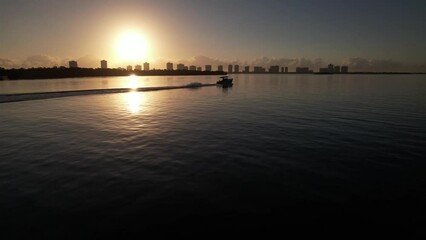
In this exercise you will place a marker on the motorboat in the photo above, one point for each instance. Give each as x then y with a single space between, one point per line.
225 81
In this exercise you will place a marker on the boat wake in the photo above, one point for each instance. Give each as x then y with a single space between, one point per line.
19 97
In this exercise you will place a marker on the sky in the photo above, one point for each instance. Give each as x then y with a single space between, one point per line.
381 35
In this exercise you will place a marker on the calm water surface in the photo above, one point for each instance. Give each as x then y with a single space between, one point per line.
273 149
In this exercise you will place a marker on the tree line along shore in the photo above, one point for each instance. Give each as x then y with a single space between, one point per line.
62 72
48 73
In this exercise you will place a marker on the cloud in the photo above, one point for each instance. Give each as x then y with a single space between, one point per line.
356 64
265 62
199 61
88 61
362 64
291 63
381 65
202 61
39 61
7 63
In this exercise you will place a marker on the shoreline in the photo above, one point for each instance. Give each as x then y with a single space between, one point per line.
58 73
61 73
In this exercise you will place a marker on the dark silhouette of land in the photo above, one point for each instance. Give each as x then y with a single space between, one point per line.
62 72
317 73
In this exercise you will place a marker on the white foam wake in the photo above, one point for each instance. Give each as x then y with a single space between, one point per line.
18 97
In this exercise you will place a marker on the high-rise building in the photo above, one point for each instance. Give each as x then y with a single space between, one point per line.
220 68
186 68
180 66
169 66
336 69
199 69
73 64
138 67
303 70
274 69
286 70
229 68
192 68
247 69
258 69
237 68
146 66
129 68
104 64
208 68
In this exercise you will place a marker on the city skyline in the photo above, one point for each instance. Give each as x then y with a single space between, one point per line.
365 35
231 68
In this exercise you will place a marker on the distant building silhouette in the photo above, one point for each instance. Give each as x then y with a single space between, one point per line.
104 64
146 66
169 66
237 68
258 69
193 68
274 69
229 68
247 69
220 68
208 68
282 69
180 66
129 68
138 67
199 69
286 69
303 70
329 69
73 64
324 70
185 68
336 69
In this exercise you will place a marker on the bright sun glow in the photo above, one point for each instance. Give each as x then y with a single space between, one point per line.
134 101
133 82
132 46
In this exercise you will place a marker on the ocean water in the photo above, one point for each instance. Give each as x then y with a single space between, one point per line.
271 150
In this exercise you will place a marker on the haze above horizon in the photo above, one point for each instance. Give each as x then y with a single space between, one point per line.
366 35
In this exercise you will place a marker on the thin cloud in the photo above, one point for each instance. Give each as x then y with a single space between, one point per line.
88 61
202 61
291 63
7 63
39 61
381 65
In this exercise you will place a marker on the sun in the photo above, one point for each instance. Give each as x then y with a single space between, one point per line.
132 46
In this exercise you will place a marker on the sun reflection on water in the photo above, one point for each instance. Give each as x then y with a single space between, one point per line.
134 101
133 82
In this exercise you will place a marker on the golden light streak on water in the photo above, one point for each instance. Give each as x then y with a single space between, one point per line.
134 101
